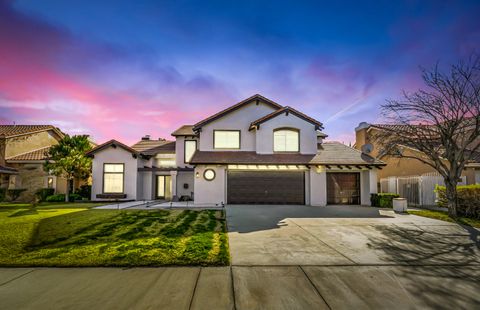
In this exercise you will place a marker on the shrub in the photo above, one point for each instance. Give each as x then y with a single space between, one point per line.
85 191
43 193
61 198
468 200
383 200
3 194
15 193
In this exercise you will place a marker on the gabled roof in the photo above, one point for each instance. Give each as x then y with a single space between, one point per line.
35 155
336 153
286 110
113 143
144 145
257 97
17 130
185 130
166 148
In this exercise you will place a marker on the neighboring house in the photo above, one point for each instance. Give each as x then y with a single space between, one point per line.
23 150
398 166
255 151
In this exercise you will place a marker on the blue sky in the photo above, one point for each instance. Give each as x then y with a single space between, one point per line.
122 69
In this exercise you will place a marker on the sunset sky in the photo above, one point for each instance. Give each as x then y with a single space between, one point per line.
123 69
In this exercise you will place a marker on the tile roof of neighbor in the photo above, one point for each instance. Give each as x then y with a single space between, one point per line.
235 107
7 170
35 155
144 145
16 130
286 109
330 153
185 130
166 148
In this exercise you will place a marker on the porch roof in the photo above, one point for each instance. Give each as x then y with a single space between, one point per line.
8 170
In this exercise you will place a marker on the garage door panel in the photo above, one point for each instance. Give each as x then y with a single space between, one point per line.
343 188
265 187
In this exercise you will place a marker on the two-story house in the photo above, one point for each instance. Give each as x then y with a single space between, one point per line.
23 151
254 152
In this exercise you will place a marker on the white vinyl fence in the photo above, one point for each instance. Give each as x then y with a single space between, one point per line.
419 190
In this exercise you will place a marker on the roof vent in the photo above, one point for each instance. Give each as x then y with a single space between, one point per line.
146 137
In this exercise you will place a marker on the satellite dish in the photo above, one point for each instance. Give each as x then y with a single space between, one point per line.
367 148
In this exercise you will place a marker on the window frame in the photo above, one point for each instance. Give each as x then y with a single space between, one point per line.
205 177
286 129
185 149
228 130
123 178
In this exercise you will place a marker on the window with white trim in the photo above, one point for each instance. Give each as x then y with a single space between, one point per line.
113 178
226 139
286 140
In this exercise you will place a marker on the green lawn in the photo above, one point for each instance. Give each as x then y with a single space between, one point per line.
75 235
443 216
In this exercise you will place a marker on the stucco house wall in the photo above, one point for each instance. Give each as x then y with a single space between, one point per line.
236 120
113 156
210 192
308 135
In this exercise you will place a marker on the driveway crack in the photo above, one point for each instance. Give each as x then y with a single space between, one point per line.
314 287
17 277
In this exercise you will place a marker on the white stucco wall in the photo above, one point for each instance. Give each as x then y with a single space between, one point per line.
236 120
318 187
368 185
180 150
308 135
210 192
185 177
115 156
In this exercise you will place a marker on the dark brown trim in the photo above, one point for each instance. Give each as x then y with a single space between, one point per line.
286 110
257 98
285 129
123 177
185 147
164 169
228 148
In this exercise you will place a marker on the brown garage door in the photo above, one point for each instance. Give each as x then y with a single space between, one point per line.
343 188
265 187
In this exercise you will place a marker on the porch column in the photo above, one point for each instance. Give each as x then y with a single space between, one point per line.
174 183
318 186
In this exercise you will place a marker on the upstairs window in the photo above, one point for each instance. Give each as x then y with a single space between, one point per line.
286 140
226 139
113 178
190 148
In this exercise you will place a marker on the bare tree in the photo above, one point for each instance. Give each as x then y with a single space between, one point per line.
441 121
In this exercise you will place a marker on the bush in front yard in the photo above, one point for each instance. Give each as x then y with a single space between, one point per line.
383 200
61 198
43 193
85 191
3 194
468 200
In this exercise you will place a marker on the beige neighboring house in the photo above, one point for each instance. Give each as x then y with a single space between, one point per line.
398 166
23 151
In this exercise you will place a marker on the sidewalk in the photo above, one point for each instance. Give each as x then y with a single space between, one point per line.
241 287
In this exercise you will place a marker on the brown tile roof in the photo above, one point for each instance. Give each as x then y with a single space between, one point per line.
256 97
336 153
286 110
144 145
35 155
166 148
332 153
17 130
8 170
185 130
113 143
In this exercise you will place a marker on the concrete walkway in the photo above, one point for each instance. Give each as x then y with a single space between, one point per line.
241 287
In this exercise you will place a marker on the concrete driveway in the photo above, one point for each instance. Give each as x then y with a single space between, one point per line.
345 235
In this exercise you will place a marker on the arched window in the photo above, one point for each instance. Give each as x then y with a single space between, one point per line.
286 140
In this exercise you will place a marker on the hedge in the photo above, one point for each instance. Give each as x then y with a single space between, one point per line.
468 200
3 194
43 193
383 200
61 198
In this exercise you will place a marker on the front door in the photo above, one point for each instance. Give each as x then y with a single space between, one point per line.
164 187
